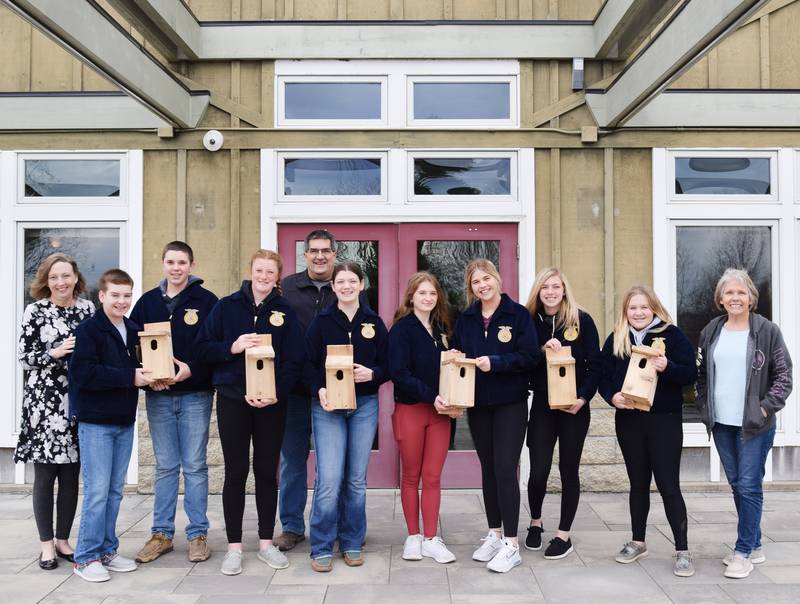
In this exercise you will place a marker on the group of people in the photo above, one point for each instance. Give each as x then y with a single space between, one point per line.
83 380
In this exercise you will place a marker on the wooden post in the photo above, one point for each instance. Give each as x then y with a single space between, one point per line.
155 342
260 369
561 388
641 378
339 382
457 379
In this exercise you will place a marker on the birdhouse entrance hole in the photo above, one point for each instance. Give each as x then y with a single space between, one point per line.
642 363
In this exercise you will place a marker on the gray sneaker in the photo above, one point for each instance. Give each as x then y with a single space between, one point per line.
93 571
273 557
756 557
118 564
231 563
631 552
684 567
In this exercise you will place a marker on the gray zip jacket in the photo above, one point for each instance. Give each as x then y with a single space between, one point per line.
769 378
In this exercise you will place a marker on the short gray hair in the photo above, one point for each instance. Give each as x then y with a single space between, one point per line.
740 275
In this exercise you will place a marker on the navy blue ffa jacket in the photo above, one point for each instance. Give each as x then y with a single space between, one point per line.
192 307
366 332
585 349
102 370
238 314
414 358
510 343
681 370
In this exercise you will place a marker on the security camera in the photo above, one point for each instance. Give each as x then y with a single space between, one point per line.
213 140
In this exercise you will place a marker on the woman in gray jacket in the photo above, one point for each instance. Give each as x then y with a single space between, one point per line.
744 377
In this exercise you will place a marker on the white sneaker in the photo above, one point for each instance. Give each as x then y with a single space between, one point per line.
119 564
411 549
739 568
94 572
273 557
492 543
507 558
756 557
436 549
231 563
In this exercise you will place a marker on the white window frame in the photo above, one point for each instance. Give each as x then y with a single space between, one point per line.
396 74
80 200
61 212
282 156
772 197
513 195
281 121
479 123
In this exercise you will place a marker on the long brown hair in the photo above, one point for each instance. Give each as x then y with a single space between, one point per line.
441 312
39 288
622 340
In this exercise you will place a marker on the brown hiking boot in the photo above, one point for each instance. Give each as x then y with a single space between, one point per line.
286 541
198 549
157 545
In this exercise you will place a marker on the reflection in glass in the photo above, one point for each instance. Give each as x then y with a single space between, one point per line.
72 178
462 176
702 255
341 176
333 100
722 176
446 260
95 249
461 100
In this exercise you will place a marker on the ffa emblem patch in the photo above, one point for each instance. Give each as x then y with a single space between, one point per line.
190 317
276 318
368 330
571 333
504 335
658 344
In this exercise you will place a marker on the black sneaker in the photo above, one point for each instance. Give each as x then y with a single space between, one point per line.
558 549
533 541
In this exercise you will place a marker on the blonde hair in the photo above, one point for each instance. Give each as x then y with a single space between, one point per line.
568 311
441 312
740 275
622 341
479 264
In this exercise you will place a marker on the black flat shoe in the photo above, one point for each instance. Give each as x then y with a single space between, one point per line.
68 557
51 564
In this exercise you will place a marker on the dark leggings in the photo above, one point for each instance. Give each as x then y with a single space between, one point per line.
651 445
239 424
498 433
45 475
544 427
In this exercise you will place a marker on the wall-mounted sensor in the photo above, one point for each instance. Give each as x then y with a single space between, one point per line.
577 74
213 140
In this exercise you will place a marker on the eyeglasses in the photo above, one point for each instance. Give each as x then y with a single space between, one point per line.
317 252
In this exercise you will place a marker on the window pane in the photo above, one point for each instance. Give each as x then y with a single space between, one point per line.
344 176
702 255
722 176
333 100
95 249
461 100
447 261
72 178
462 176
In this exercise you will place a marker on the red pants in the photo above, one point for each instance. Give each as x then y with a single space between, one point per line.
424 437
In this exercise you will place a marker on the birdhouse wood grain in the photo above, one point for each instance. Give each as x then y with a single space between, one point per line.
641 378
340 385
561 388
155 343
457 379
260 369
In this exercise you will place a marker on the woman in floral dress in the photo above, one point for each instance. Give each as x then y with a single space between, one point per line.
48 438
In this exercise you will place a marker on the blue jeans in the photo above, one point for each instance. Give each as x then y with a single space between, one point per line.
179 429
293 473
343 441
105 452
743 461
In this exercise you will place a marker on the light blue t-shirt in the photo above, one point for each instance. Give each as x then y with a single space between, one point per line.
730 376
123 331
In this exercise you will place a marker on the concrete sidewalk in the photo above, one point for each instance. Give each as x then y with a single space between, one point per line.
588 575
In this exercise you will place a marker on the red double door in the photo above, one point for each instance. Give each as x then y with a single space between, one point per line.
389 255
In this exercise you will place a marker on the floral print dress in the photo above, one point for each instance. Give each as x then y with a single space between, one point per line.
47 435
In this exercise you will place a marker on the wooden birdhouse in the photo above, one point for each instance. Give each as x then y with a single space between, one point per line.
340 385
561 388
641 378
457 379
260 369
155 343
